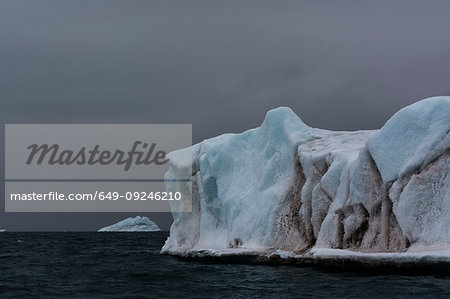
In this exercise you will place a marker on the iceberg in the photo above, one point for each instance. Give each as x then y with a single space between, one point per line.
136 224
288 190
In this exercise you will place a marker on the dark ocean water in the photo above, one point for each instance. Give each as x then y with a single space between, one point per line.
109 265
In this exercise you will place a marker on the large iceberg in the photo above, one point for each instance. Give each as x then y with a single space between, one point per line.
287 189
136 224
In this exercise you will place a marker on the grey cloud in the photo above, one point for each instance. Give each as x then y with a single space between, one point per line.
220 65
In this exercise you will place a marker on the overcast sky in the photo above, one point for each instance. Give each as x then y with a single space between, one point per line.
220 65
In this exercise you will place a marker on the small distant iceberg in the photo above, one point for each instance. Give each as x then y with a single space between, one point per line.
136 224
2 230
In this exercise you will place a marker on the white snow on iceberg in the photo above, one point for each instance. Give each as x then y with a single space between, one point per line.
136 224
286 187
414 136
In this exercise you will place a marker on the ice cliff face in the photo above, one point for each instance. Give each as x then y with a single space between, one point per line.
286 186
136 224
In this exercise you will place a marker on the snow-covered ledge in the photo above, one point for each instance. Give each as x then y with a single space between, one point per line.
287 190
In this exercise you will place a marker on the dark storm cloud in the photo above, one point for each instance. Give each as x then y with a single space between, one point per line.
219 65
